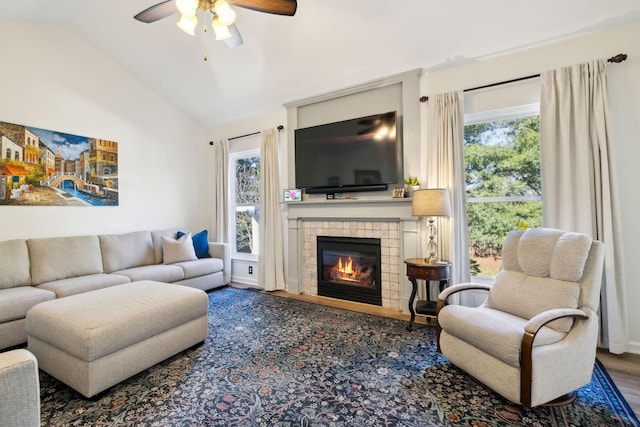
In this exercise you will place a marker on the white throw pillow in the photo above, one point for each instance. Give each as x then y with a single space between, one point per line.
177 250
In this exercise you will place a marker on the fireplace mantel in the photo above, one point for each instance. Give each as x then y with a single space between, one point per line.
352 209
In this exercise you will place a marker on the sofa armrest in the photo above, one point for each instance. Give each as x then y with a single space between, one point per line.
222 251
19 389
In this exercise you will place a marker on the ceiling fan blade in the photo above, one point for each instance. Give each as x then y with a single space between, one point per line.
157 12
236 39
277 7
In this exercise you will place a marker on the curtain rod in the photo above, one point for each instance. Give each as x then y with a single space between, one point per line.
614 59
280 127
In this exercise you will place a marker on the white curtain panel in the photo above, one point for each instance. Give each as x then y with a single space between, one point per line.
270 253
445 169
579 186
219 231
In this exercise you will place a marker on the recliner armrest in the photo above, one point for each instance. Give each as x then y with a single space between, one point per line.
538 321
447 292
531 329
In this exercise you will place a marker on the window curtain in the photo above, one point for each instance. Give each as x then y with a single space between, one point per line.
445 169
270 253
220 231
579 187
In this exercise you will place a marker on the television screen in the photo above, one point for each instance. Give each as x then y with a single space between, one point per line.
350 153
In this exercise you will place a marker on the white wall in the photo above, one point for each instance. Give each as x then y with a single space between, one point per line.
51 78
624 85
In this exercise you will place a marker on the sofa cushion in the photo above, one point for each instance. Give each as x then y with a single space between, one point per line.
200 267
61 257
495 332
15 302
156 237
127 250
76 285
177 250
200 243
159 273
14 264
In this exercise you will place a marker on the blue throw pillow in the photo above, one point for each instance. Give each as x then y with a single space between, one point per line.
200 243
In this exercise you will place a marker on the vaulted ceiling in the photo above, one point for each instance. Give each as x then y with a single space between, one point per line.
328 45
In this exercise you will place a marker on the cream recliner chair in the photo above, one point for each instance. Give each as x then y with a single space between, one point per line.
534 339
19 389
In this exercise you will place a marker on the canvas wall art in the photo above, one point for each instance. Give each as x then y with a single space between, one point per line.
47 168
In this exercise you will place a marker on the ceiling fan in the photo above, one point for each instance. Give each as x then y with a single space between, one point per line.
219 11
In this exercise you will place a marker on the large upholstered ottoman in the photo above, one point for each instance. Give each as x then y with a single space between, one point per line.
93 340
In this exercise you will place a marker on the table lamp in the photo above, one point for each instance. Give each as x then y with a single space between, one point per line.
431 202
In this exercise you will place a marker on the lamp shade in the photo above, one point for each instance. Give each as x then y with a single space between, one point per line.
431 202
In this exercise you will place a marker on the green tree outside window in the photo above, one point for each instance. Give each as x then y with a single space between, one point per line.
503 186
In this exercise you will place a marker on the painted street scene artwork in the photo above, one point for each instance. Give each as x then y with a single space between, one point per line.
47 168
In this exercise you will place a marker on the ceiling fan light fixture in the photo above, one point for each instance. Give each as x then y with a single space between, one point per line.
222 31
187 7
224 12
188 24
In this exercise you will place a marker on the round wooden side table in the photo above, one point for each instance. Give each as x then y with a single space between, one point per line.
418 268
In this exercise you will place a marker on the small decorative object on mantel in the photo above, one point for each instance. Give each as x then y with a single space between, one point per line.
398 193
412 184
292 195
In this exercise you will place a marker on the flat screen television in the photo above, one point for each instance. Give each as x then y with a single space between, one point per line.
359 154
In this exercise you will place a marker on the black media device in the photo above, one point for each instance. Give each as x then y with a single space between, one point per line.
359 154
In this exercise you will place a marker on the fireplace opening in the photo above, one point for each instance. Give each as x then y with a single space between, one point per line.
349 269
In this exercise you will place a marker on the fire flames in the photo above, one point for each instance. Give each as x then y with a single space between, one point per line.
345 270
348 271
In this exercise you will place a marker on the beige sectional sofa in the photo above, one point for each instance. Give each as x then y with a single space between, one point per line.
38 270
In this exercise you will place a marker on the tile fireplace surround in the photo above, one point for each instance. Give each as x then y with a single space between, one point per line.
389 220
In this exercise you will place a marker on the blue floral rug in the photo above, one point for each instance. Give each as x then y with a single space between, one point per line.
273 361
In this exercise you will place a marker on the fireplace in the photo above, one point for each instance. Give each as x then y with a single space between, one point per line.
349 269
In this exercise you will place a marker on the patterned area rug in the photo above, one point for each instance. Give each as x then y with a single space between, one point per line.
272 361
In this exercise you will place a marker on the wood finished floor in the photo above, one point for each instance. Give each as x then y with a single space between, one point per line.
624 369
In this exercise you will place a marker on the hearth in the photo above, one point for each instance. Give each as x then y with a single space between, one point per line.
349 269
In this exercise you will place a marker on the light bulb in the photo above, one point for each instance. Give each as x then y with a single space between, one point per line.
187 7
225 14
381 133
221 30
188 24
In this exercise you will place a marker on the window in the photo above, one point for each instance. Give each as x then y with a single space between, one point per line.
503 182
245 183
